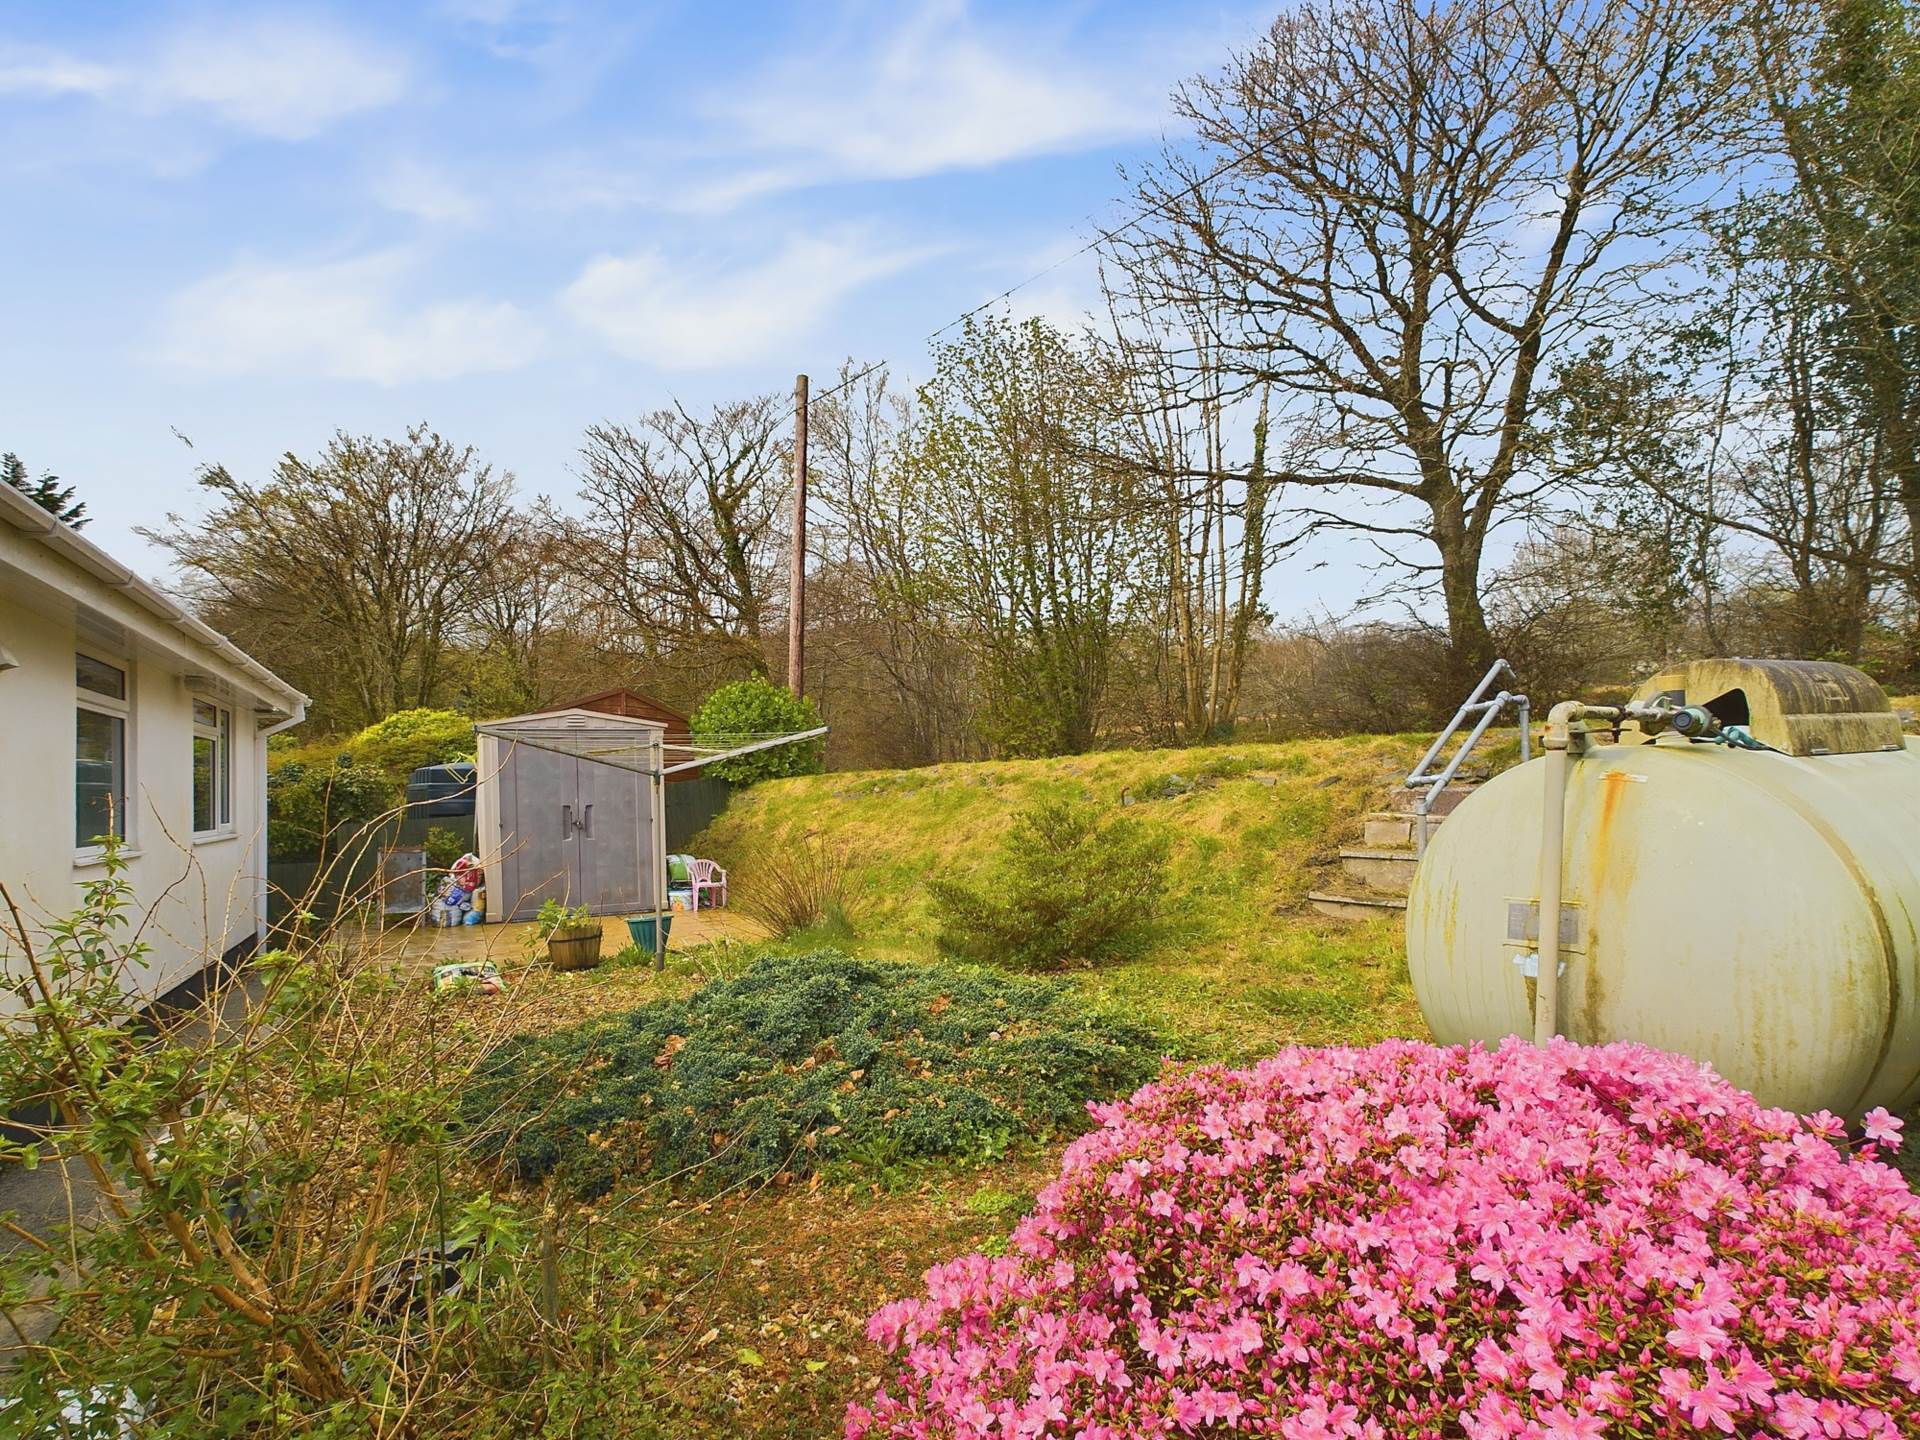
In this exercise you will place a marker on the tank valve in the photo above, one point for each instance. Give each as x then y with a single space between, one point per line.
1694 723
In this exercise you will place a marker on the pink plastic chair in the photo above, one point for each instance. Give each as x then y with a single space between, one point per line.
705 875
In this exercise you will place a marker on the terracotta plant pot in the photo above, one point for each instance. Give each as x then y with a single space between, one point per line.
574 949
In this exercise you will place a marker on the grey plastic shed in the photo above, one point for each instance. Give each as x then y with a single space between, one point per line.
567 808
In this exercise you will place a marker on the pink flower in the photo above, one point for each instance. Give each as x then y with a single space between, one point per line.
1564 1424
1163 1347
1696 1335
1316 1420
1711 1404
1882 1128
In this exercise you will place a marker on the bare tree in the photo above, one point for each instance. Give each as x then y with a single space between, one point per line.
527 606
1399 212
355 571
684 540
880 557
1214 519
1836 85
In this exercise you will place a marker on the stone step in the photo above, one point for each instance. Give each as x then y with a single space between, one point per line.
1404 801
1393 828
1381 868
1356 907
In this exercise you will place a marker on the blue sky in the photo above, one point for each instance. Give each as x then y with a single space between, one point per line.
513 218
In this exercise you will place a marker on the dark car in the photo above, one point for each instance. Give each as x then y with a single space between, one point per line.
441 789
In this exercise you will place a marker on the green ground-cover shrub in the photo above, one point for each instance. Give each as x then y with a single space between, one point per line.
1072 886
802 1062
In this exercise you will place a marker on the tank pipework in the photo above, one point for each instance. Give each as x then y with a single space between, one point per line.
1566 737
1564 734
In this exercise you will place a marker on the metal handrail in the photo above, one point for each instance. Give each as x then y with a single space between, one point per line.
1488 708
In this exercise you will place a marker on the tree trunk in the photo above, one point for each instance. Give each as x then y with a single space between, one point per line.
1468 637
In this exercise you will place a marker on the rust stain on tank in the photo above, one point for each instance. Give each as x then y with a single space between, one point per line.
1604 870
1611 787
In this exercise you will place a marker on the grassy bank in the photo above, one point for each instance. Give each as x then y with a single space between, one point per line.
1239 966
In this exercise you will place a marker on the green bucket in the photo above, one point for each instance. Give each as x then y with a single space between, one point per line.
640 927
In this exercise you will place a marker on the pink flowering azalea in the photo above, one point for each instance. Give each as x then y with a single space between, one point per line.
1406 1240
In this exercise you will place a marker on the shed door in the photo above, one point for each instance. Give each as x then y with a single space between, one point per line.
611 853
539 797
575 831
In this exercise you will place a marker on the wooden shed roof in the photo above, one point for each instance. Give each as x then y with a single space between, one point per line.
619 701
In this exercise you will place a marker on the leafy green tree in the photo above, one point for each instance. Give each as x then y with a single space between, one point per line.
408 739
755 709
358 571
1038 535
47 492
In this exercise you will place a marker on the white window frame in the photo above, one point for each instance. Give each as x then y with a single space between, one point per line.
220 732
122 710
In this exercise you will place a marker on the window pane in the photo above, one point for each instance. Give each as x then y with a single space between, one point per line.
225 768
99 774
205 712
203 782
99 677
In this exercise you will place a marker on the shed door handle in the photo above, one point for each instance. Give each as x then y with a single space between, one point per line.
586 821
566 822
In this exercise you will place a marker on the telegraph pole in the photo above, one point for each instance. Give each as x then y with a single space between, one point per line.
797 580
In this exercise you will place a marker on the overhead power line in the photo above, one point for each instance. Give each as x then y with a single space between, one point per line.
1101 237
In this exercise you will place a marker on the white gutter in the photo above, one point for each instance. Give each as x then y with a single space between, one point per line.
24 515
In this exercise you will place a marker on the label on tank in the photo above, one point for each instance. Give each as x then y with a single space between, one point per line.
1523 923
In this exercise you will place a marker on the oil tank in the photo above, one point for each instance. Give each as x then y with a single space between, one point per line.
1759 910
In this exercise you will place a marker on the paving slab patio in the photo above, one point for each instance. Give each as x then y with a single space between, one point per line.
428 945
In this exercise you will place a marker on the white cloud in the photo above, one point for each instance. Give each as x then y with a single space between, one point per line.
649 308
937 92
35 70
339 320
282 76
413 187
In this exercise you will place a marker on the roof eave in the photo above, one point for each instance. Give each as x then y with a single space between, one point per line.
28 518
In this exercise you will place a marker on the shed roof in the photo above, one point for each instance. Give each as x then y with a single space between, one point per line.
626 741
621 701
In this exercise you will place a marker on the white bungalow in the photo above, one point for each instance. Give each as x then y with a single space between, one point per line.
120 713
